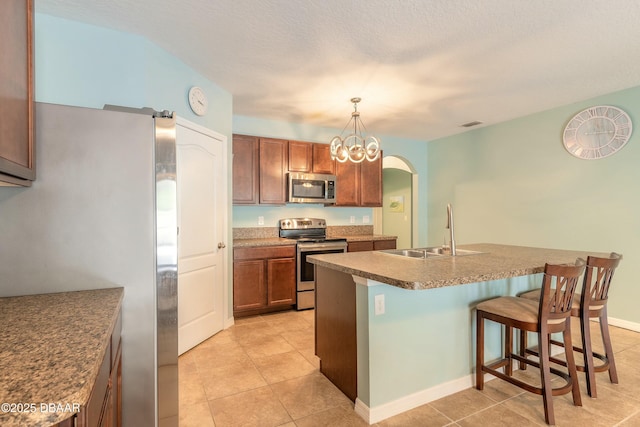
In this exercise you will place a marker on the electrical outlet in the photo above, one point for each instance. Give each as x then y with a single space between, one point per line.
365 219
379 304
260 220
352 219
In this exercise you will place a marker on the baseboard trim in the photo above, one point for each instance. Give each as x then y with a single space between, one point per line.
228 322
406 403
625 324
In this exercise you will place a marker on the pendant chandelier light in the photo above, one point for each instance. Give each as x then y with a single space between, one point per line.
355 147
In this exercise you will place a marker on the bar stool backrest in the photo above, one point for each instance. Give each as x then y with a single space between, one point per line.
558 288
597 281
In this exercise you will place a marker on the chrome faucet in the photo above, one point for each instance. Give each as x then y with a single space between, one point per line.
452 245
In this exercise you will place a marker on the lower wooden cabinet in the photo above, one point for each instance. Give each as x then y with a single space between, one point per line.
264 279
104 408
371 245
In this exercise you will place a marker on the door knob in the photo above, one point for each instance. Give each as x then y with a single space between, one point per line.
221 245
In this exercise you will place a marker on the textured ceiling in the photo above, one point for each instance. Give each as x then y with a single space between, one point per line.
421 67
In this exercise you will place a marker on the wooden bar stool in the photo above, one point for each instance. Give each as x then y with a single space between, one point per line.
591 303
550 315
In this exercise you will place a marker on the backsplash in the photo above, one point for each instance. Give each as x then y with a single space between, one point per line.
349 230
270 232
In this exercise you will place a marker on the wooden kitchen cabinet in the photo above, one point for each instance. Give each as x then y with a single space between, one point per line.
348 184
322 162
17 162
360 246
310 157
259 170
300 156
104 407
245 170
249 285
359 184
264 279
384 244
371 245
274 162
371 183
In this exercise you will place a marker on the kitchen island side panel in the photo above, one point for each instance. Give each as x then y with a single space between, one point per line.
336 343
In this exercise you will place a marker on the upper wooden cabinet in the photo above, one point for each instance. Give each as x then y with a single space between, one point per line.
17 163
322 162
245 169
359 184
260 167
310 157
300 156
348 183
274 162
259 170
371 183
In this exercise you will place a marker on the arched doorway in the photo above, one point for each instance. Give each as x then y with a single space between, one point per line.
398 215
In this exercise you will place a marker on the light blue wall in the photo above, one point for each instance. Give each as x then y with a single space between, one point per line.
87 66
403 346
247 216
514 183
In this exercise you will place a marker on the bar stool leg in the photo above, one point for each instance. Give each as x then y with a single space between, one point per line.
523 349
585 332
606 339
508 349
571 364
479 350
545 376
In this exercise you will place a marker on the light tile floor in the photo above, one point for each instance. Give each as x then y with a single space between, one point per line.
262 372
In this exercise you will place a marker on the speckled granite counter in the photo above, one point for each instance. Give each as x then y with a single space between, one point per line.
277 241
51 347
269 241
366 237
495 262
268 236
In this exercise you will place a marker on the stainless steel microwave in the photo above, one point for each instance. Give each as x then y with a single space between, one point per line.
311 188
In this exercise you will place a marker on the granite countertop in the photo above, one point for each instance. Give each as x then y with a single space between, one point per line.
495 262
367 237
277 241
268 241
51 347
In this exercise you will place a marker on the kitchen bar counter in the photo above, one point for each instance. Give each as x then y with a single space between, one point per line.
390 348
495 262
51 349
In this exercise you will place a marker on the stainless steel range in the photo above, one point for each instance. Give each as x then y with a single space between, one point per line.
311 237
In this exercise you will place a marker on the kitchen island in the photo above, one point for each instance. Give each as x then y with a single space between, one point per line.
395 332
60 358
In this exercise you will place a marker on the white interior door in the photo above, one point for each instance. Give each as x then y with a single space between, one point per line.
202 186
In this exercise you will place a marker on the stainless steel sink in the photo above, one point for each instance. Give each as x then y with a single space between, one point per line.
432 252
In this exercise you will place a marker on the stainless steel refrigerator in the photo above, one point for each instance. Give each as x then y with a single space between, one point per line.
102 213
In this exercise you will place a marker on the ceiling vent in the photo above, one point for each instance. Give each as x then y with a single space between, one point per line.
470 124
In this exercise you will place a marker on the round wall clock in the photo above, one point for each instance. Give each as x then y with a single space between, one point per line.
597 132
198 101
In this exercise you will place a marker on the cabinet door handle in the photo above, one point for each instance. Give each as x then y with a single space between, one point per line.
221 245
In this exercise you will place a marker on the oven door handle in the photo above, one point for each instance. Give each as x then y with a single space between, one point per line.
306 247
